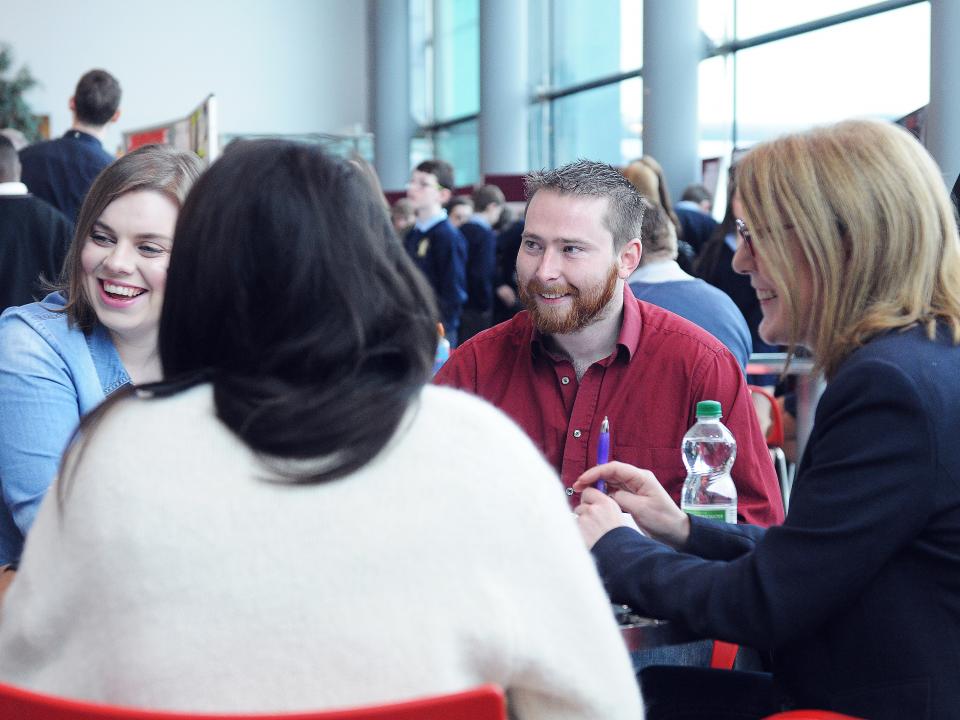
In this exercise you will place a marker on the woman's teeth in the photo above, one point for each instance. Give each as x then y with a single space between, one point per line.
122 290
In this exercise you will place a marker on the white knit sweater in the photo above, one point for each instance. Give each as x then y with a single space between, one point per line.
174 576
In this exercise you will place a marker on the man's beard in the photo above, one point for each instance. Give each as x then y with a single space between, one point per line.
585 308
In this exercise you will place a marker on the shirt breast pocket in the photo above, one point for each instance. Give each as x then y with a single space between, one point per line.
665 463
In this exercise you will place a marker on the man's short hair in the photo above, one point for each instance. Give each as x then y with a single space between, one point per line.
485 195
588 178
696 193
9 161
96 98
441 170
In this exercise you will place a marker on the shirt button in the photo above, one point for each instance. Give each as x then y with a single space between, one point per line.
565 380
577 433
569 491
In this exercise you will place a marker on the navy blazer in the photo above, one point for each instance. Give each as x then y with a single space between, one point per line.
857 594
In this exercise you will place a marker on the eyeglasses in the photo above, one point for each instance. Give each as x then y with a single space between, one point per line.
746 236
419 182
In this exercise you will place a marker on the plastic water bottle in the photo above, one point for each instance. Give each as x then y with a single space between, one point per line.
443 350
708 452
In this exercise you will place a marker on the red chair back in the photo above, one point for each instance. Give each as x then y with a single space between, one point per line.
810 715
482 703
775 431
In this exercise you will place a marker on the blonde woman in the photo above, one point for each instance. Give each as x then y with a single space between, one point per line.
849 239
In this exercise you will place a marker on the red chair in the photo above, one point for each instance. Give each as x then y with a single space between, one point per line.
775 442
809 715
482 703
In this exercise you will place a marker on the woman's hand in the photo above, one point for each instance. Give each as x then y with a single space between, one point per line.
639 493
597 515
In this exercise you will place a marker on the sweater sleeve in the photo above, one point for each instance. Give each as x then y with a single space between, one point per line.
570 660
862 493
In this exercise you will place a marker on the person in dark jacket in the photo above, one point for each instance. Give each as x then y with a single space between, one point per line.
61 171
848 236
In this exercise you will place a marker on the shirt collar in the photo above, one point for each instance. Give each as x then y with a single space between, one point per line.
658 272
481 221
424 225
80 135
13 188
629 337
106 359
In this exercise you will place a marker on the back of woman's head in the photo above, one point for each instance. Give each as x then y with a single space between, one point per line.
644 180
159 168
866 206
658 237
647 176
290 292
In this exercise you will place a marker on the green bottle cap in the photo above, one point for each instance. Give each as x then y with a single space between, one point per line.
708 409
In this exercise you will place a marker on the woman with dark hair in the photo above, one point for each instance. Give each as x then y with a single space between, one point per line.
293 519
98 332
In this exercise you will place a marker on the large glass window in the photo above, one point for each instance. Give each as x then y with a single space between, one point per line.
457 58
878 66
594 38
875 66
594 124
459 145
756 17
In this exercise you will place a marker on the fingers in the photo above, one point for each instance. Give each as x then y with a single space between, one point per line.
616 474
592 496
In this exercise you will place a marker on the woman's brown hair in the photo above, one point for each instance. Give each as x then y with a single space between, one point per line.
153 167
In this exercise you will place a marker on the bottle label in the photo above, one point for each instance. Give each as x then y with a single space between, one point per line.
723 514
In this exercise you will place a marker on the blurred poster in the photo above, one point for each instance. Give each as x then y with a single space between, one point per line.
197 132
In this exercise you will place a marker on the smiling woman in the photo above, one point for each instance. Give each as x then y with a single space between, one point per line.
97 333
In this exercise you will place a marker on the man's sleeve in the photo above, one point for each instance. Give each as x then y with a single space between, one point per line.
758 492
460 371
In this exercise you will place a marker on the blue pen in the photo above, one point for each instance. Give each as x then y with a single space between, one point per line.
603 450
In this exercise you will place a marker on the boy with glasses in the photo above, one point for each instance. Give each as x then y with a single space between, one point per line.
436 246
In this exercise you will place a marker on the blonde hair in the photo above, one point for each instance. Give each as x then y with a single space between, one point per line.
647 176
866 206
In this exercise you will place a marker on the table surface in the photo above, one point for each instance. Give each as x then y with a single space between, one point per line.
640 632
649 633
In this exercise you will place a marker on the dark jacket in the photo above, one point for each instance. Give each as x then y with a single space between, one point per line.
858 592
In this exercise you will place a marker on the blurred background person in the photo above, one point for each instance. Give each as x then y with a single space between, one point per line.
459 210
646 175
488 203
693 211
34 236
402 217
61 171
659 280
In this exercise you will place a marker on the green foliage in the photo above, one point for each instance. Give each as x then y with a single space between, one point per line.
14 111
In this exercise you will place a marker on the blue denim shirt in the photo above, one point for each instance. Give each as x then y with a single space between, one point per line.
50 376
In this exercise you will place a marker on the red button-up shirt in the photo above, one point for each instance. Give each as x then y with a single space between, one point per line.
648 388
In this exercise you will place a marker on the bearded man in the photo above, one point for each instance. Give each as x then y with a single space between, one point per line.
586 349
